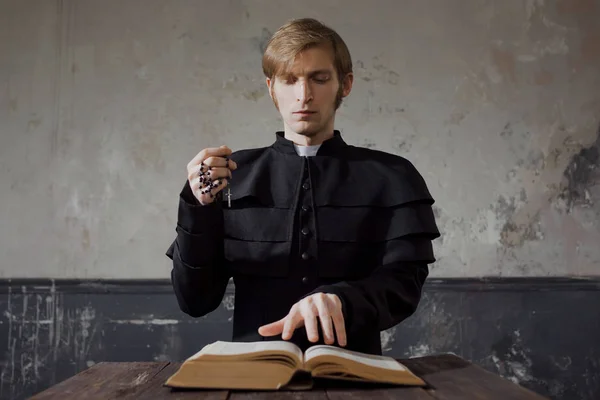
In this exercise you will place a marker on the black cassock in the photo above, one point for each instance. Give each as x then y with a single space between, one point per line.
350 221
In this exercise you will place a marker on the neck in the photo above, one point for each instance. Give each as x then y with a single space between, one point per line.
303 140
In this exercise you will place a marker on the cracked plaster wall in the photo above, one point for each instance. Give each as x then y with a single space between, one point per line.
104 103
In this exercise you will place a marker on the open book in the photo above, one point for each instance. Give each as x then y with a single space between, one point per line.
272 365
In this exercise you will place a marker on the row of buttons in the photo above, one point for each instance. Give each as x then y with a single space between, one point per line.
305 231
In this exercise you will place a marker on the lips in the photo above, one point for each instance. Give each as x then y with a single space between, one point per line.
305 112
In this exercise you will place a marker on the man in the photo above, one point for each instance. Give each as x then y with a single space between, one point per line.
326 242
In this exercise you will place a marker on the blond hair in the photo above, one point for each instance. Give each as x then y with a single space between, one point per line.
298 35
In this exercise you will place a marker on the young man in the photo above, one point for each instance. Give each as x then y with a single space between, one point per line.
326 242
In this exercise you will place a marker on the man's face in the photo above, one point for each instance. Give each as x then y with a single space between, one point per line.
306 96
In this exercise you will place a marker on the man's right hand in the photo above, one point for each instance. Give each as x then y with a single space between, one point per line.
209 173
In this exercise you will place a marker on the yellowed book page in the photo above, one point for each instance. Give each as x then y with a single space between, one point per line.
367 359
235 348
232 375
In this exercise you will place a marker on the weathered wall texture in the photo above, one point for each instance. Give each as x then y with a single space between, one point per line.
509 327
104 102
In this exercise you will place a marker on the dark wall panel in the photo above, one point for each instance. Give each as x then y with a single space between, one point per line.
541 333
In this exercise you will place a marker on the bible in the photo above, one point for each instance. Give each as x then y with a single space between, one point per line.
274 365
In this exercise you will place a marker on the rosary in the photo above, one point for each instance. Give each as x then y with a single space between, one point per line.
228 197
207 184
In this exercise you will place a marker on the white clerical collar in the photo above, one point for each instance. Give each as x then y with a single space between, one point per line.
307 151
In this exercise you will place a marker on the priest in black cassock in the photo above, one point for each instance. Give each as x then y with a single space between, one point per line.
326 242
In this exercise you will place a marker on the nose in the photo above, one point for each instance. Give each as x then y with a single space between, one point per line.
303 92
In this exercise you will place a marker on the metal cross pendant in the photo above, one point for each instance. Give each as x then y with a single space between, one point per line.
228 198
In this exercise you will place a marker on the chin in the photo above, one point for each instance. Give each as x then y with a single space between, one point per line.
308 133
308 130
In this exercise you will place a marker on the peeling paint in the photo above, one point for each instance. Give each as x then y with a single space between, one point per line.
512 359
154 321
229 302
49 335
526 58
581 174
475 324
387 338
555 46
261 41
420 350
504 62
512 234
254 95
531 6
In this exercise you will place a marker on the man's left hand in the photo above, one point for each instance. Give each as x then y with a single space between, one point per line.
327 307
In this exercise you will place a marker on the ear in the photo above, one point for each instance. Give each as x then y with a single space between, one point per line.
347 82
270 83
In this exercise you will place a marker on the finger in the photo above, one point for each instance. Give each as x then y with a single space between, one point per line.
222 151
203 185
340 328
206 194
216 187
292 321
206 170
222 162
272 329
201 182
218 172
309 314
338 321
325 319
203 173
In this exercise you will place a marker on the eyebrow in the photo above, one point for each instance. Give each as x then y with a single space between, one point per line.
312 74
320 72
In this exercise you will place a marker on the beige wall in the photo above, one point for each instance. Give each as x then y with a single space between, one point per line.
104 102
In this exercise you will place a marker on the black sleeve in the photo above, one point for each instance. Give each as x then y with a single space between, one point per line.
392 291
383 299
198 276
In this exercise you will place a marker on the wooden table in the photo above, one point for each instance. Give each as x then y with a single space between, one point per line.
449 377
